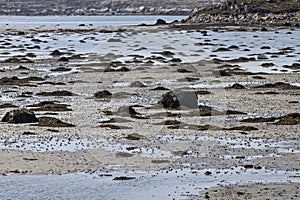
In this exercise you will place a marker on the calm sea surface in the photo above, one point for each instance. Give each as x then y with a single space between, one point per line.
76 20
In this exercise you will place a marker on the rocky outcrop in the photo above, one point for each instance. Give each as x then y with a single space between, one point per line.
249 12
186 99
20 116
103 94
170 100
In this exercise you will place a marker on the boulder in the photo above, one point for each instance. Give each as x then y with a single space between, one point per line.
103 94
170 100
63 59
236 86
137 84
56 53
160 22
187 99
20 116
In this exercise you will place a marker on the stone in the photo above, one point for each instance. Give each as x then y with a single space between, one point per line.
103 94
187 99
160 22
114 40
290 119
20 116
236 86
56 93
123 178
63 59
137 84
52 122
279 85
61 69
170 100
113 68
134 136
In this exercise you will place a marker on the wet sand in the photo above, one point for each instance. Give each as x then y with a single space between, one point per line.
113 79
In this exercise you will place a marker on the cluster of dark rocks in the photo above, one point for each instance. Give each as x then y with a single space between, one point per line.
250 12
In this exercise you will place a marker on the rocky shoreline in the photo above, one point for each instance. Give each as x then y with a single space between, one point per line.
219 103
249 13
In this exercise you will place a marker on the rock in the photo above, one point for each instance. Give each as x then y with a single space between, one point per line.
267 64
7 105
56 53
160 88
52 122
28 133
202 92
21 33
183 71
207 173
160 22
243 59
265 47
294 66
129 111
241 128
61 69
134 136
290 119
170 100
18 60
221 73
103 94
264 29
112 126
124 155
56 93
236 86
234 112
165 53
137 84
113 68
63 59
209 111
160 161
175 60
221 49
279 85
50 106
110 56
258 77
190 79
187 99
114 40
180 153
123 178
171 122
262 57
20 116
233 47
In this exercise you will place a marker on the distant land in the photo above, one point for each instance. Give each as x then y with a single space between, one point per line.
104 7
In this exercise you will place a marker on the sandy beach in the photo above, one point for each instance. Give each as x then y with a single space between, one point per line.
154 98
